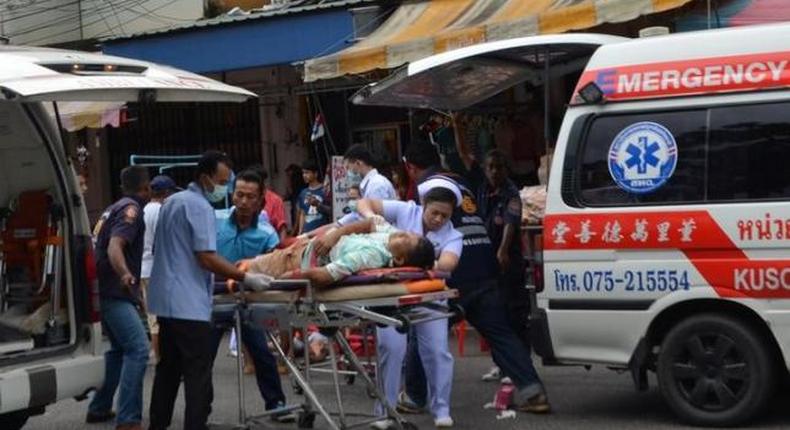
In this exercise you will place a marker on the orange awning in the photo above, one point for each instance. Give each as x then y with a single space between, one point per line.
418 29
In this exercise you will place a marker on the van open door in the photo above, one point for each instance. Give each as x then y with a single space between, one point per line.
457 79
41 74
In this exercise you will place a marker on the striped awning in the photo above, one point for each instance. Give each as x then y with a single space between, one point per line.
418 29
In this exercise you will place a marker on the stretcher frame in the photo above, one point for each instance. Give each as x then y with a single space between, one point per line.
400 312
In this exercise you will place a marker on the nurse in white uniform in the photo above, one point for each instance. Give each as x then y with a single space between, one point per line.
432 219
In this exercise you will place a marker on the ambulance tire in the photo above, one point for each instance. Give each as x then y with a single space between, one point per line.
727 362
14 420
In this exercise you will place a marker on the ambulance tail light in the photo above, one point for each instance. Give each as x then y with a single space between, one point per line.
92 285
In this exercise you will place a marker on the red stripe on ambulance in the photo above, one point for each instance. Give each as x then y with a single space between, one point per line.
697 76
723 265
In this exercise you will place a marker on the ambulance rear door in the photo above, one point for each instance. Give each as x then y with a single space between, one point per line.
460 78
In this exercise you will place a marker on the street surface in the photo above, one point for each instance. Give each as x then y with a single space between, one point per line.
581 399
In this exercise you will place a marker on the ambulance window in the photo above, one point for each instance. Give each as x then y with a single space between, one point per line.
749 153
597 185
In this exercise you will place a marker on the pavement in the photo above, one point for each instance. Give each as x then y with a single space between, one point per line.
585 399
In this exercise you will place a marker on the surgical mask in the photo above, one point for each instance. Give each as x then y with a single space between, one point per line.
353 176
218 194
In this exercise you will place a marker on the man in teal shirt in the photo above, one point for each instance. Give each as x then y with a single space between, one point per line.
243 233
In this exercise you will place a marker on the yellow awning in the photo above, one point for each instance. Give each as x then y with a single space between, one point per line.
418 29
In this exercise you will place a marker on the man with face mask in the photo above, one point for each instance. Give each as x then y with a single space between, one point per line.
372 184
181 289
119 255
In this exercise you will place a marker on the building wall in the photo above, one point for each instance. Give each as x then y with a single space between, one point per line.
284 121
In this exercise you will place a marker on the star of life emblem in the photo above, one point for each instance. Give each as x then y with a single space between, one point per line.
643 157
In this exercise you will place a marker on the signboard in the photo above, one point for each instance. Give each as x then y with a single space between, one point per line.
340 184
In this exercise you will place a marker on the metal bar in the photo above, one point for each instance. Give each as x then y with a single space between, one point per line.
336 383
369 315
357 365
239 365
297 374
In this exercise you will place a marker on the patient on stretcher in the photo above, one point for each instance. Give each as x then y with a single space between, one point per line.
342 251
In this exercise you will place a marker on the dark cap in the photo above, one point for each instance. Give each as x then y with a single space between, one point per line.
163 183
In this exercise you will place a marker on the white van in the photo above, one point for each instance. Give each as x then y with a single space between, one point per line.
50 332
667 228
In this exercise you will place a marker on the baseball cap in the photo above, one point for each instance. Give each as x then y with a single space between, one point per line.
163 183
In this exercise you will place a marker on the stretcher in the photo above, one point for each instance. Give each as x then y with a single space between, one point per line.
398 302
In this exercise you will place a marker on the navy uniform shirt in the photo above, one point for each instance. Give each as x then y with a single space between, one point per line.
499 207
478 263
123 219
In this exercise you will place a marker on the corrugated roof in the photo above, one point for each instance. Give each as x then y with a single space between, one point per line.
255 14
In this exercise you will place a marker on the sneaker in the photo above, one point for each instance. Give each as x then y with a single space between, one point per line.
506 381
384 424
101 417
493 375
407 406
283 417
537 404
445 422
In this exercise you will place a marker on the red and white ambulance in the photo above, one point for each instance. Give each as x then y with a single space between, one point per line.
667 228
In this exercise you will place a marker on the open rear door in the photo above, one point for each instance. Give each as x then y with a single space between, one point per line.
460 78
40 74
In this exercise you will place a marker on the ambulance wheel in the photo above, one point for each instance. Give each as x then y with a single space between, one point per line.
14 420
305 420
715 370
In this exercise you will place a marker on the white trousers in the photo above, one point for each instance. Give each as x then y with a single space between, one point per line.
436 360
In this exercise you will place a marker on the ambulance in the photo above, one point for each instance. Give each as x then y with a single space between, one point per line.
51 341
667 226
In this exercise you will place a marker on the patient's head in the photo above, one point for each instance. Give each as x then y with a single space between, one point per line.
409 249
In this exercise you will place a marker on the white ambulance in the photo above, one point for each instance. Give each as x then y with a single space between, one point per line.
667 228
51 344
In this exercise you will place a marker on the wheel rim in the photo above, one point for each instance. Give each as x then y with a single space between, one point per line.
711 371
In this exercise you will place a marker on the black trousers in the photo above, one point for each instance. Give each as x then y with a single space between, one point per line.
186 350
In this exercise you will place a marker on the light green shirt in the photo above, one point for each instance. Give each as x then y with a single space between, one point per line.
355 252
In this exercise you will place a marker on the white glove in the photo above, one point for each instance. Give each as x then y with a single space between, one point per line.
257 281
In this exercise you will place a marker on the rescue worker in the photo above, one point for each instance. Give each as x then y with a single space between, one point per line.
431 219
181 290
476 280
119 254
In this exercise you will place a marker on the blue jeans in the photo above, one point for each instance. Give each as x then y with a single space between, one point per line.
124 363
486 313
254 338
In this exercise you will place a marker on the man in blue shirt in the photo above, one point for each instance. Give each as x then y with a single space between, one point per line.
242 233
119 255
181 290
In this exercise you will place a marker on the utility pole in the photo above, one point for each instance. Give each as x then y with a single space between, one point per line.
79 14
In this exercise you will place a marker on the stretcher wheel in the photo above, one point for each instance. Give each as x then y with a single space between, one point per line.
371 393
305 420
350 379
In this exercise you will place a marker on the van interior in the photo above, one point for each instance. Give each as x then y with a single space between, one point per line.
34 304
